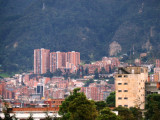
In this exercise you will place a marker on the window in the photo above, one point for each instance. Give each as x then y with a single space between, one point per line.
119 90
119 75
125 90
126 98
125 76
125 83
125 105
119 83
119 98
120 105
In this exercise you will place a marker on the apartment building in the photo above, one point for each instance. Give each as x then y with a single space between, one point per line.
73 58
44 61
41 60
57 60
130 86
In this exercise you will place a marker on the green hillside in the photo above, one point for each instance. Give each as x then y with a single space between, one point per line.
87 26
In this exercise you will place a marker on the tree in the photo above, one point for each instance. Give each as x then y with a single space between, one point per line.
58 72
86 71
124 113
107 114
137 114
100 105
47 117
82 109
88 82
111 100
153 107
48 74
96 74
103 71
78 107
30 117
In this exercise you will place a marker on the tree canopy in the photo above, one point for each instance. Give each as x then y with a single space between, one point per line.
111 100
78 107
107 114
153 107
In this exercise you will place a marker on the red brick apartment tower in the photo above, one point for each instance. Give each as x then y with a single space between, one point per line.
57 60
41 60
157 63
73 58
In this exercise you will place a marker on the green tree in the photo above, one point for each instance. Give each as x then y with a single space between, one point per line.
58 72
48 74
137 114
96 74
100 105
78 107
111 100
86 71
82 109
103 71
107 114
125 113
153 107
88 82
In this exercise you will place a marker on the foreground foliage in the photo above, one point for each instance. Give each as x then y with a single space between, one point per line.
107 114
111 100
78 107
153 107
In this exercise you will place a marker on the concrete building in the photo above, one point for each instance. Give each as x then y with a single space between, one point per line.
130 86
41 61
151 88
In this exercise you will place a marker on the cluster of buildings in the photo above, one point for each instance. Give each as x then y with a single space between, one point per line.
44 61
28 92
108 63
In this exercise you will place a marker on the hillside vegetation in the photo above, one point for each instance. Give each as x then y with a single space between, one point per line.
87 26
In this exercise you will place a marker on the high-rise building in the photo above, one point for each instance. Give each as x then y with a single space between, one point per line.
73 58
63 60
57 60
130 86
41 60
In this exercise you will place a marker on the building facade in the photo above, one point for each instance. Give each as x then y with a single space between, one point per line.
130 86
41 60
64 61
57 60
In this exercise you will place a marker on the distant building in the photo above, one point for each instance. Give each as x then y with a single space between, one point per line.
40 89
41 60
157 63
73 58
151 88
64 61
130 86
57 61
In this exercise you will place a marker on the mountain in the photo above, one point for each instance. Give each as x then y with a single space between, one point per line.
87 26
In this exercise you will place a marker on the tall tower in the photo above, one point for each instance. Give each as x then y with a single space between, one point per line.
57 60
41 60
130 86
73 58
